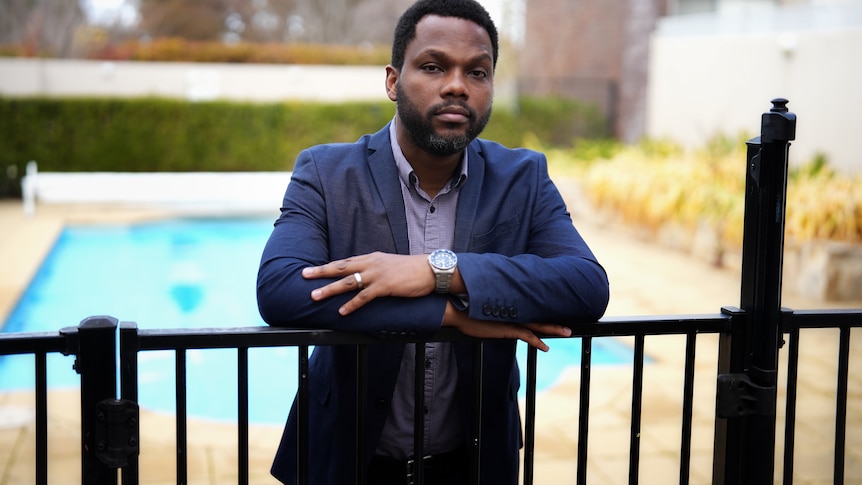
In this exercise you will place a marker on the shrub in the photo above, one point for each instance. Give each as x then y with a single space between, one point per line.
174 49
657 182
143 135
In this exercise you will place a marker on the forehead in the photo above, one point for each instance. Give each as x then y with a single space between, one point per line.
451 35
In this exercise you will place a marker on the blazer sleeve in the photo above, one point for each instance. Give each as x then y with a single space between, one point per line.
316 226
550 275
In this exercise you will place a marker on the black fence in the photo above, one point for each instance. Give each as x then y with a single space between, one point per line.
750 337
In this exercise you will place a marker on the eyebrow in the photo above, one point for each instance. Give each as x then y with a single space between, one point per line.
442 55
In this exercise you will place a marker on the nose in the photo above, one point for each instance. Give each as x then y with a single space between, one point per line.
455 84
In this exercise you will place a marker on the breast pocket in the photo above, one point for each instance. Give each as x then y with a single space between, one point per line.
503 231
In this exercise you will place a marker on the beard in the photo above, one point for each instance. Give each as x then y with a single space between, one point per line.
422 131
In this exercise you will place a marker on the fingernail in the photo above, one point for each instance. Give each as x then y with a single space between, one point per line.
342 311
316 294
307 271
567 331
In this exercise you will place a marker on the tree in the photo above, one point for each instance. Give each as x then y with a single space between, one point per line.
40 26
202 20
350 21
261 20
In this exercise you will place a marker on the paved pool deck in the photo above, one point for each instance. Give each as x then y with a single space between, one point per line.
646 279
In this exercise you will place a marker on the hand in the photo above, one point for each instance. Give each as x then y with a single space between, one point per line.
382 274
526 332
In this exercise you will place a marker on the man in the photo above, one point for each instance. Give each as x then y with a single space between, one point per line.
351 249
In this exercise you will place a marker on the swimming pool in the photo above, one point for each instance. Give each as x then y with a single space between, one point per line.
187 273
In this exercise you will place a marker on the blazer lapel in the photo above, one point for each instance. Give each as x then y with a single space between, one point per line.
381 163
468 198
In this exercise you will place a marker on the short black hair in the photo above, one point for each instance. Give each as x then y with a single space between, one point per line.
405 30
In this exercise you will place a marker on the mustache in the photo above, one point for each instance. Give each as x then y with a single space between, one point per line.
471 113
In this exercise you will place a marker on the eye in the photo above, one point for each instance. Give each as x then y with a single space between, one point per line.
480 73
431 68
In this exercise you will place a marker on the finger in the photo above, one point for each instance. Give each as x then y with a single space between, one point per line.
529 337
348 283
334 269
355 303
311 272
550 329
331 270
533 340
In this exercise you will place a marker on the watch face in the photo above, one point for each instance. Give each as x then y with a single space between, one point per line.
443 259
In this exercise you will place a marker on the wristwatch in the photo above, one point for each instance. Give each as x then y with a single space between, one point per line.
443 264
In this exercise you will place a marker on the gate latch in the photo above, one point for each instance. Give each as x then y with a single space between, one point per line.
117 431
737 396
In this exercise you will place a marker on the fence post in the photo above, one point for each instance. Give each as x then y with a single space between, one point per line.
96 363
746 396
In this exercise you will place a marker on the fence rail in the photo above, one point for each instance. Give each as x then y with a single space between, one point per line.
133 341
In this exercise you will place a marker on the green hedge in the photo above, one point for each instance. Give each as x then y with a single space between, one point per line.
145 135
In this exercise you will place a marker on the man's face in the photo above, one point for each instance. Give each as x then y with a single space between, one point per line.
444 90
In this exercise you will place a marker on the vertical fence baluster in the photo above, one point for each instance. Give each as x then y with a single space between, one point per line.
242 414
530 427
841 404
790 408
181 418
687 408
476 442
584 411
41 418
419 415
361 413
302 416
129 346
637 398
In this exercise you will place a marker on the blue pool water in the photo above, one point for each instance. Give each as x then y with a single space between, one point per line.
187 273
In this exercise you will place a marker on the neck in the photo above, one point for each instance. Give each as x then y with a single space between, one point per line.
433 171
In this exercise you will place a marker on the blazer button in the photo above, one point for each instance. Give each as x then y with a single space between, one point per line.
513 312
504 312
495 310
486 309
382 405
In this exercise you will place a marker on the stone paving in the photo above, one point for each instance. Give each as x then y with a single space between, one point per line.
646 279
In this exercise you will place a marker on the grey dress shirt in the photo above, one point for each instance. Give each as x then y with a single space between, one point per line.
430 226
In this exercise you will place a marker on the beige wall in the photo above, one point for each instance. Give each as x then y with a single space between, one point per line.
255 82
716 74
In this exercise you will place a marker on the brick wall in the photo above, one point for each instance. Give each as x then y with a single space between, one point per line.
588 50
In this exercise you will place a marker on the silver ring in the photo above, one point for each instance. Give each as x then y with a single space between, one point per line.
358 278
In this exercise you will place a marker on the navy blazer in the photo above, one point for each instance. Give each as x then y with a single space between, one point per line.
520 257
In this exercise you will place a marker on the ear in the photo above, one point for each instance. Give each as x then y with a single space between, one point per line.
391 82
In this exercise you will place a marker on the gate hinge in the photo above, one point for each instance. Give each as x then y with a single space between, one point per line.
117 431
737 396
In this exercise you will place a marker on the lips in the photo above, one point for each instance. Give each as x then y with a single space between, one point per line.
453 114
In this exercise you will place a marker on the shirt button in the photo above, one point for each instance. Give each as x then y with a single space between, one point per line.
427 363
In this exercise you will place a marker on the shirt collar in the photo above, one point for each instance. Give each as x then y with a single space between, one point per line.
405 170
